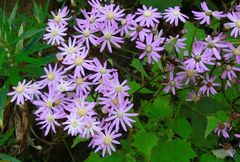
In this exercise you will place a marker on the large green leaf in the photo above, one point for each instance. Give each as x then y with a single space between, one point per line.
161 5
182 128
173 151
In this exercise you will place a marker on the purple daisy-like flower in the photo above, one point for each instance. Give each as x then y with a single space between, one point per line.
229 72
213 45
55 34
188 73
82 85
199 59
138 31
49 122
74 124
173 15
206 15
60 18
65 86
120 116
90 128
90 20
70 50
126 24
108 38
110 14
223 129
172 84
84 109
194 96
148 16
21 92
150 48
232 51
235 24
104 141
178 42
208 85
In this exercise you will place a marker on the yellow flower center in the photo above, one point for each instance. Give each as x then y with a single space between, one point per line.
20 88
107 140
54 32
208 13
198 58
118 88
123 22
79 81
110 15
50 118
172 83
237 23
57 102
78 61
196 99
108 36
176 13
236 51
190 73
148 49
74 123
86 33
147 13
71 50
57 19
49 103
211 45
82 112
103 71
50 76
120 114
229 67
115 101
92 19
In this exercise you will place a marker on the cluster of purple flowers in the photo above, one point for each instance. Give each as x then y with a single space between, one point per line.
82 95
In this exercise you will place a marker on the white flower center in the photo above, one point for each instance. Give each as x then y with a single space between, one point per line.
124 22
236 52
208 13
190 73
82 112
172 83
198 58
115 101
57 19
49 103
50 118
229 67
103 71
74 123
120 114
20 88
176 12
148 49
78 61
92 19
147 13
54 32
62 88
211 45
110 15
107 140
79 81
50 76
71 50
108 36
237 23
196 98
118 88
86 33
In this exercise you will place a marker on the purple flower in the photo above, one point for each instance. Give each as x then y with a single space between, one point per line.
232 51
110 14
150 48
65 86
104 141
172 84
138 31
49 122
194 96
173 15
235 24
82 85
148 16
199 59
60 18
179 42
21 92
108 38
89 20
74 124
229 72
189 74
223 129
126 24
206 14
55 34
91 127
208 85
119 115
213 46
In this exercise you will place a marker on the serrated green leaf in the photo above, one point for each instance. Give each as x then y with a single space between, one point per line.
212 122
144 142
136 63
182 128
173 151
209 158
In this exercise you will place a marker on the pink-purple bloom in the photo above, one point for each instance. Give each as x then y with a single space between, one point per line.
173 15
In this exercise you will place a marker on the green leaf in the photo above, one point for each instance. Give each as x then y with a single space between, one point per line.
19 45
161 5
8 158
3 99
220 153
135 86
95 157
182 128
13 14
5 137
212 122
77 140
136 63
159 109
209 158
173 151
144 142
